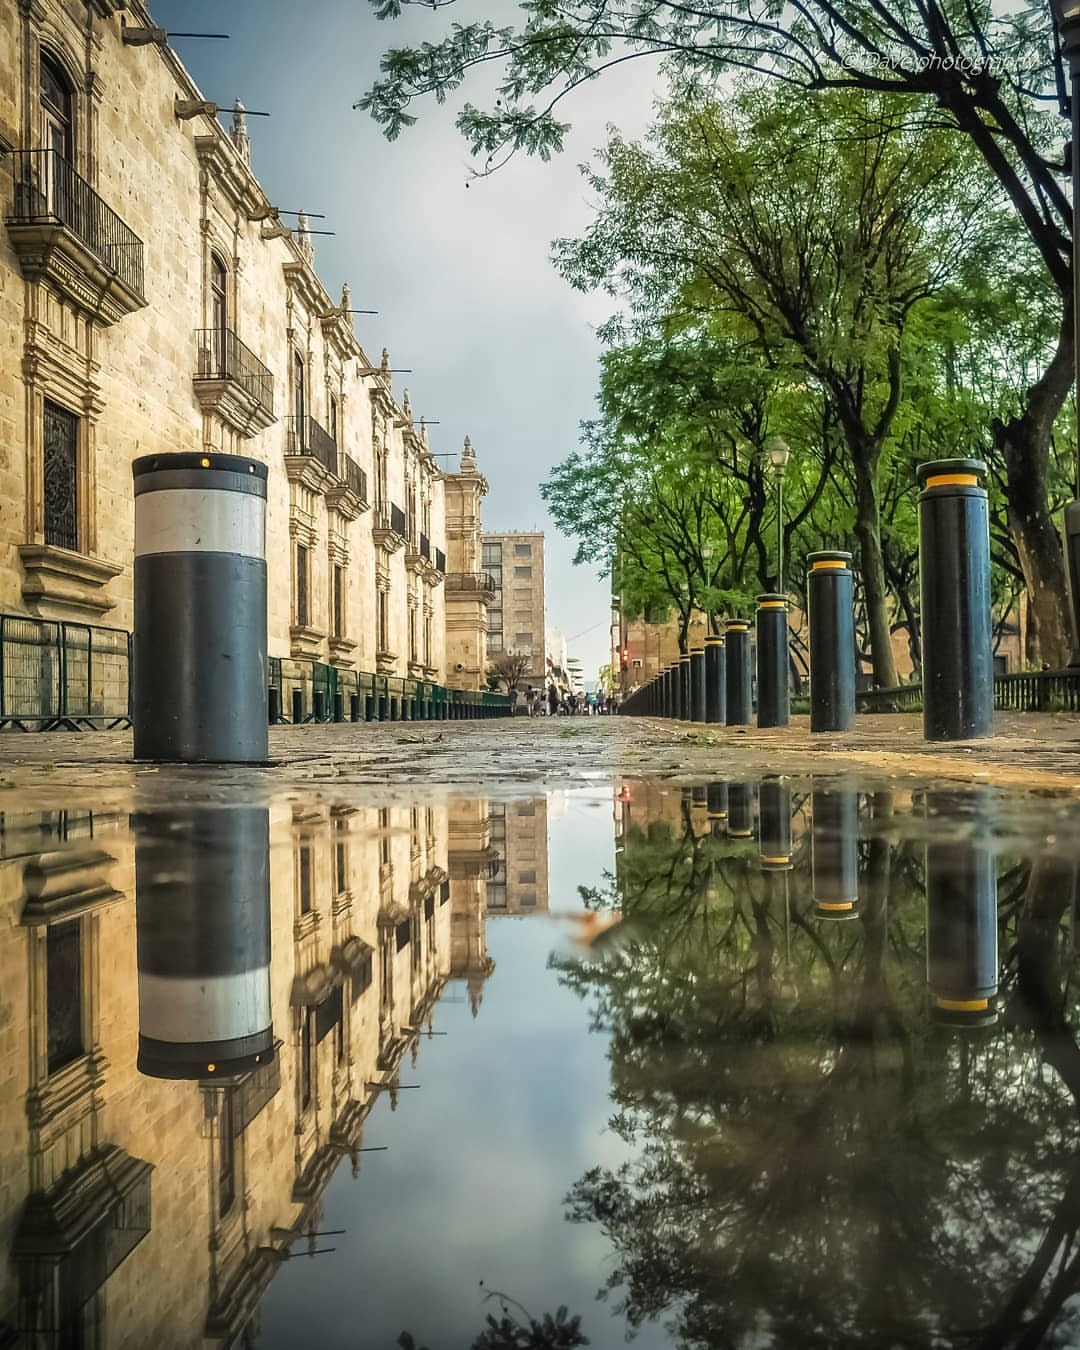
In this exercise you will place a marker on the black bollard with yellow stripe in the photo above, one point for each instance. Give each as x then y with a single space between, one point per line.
739 696
684 687
830 593
697 684
954 566
961 916
772 661
774 825
717 801
834 836
740 811
715 679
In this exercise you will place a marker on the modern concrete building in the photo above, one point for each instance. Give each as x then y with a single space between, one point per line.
519 836
515 563
152 300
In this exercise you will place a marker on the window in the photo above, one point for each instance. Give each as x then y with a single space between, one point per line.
528 810
339 602
527 878
412 636
226 1155
491 555
219 301
341 870
299 392
495 639
402 934
333 417
61 481
361 976
57 127
301 586
384 837
305 1058
304 872
63 993
382 620
522 571
523 639
495 573
427 640
527 899
496 895
494 620
523 550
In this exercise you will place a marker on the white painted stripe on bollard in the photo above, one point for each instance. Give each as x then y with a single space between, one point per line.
204 1008
200 520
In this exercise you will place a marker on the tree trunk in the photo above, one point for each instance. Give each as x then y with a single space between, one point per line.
872 569
1024 443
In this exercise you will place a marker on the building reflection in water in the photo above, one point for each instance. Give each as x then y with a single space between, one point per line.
202 1012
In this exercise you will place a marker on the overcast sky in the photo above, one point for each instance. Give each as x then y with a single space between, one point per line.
501 348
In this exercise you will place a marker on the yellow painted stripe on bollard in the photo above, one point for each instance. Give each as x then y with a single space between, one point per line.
953 480
773 604
962 1004
833 904
780 858
830 566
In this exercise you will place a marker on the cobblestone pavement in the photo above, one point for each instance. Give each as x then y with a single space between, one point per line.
505 757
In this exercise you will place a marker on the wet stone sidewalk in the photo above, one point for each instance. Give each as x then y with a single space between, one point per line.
502 757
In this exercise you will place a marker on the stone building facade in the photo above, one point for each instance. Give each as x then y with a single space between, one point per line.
142 1210
516 616
152 300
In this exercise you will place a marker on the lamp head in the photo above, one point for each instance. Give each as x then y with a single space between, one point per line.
777 449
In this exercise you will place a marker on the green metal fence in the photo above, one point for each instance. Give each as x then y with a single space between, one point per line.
73 676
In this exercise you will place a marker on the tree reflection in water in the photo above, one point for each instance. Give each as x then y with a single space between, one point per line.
821 1156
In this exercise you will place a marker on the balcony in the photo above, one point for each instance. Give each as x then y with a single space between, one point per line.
349 496
479 584
311 454
63 233
440 562
232 382
390 527
418 555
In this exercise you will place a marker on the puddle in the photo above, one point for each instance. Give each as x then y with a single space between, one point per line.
791 1062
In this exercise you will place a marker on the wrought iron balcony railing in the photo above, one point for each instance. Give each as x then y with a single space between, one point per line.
222 356
48 191
354 476
440 560
397 520
307 437
425 547
470 581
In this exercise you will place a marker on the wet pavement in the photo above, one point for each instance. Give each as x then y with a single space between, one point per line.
403 1034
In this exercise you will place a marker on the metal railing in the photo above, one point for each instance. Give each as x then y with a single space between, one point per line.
469 581
397 520
440 560
425 547
354 476
222 356
49 191
68 675
307 437
1028 691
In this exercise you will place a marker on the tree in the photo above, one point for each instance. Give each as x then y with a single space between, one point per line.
979 70
510 668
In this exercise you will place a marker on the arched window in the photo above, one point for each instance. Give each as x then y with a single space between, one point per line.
57 125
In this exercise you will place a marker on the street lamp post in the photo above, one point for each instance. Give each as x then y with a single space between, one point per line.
1067 17
779 453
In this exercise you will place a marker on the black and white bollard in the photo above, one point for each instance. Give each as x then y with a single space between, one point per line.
961 915
830 591
715 679
199 656
834 836
202 919
739 694
717 801
684 687
772 661
954 568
